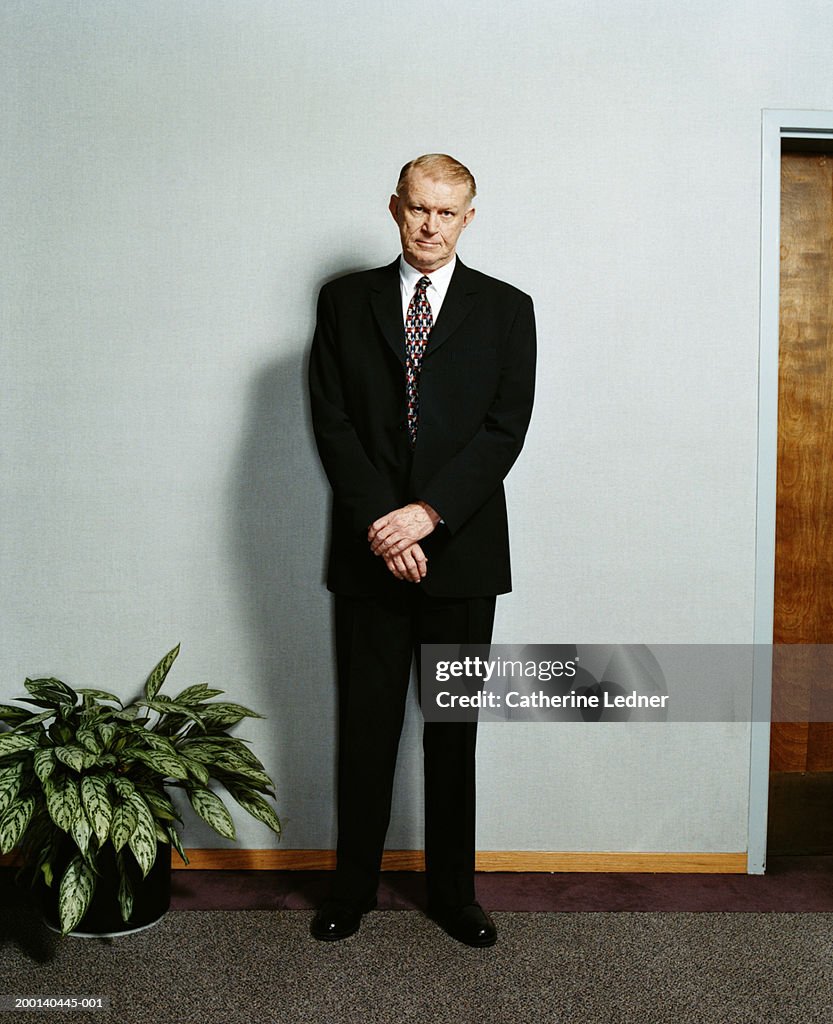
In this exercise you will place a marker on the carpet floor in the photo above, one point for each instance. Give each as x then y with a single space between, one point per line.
259 967
790 884
573 949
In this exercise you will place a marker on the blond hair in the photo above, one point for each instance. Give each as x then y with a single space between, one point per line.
439 166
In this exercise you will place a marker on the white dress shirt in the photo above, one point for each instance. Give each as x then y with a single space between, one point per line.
435 292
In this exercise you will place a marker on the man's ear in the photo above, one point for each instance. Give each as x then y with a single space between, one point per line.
468 216
393 206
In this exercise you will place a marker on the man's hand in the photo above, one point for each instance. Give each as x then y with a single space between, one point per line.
398 530
410 565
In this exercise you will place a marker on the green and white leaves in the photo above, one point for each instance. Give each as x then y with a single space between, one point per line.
122 824
212 810
62 800
13 742
134 824
104 695
44 762
97 806
224 713
75 757
125 889
51 692
93 772
142 839
157 676
254 803
14 822
11 779
196 694
165 764
12 715
75 894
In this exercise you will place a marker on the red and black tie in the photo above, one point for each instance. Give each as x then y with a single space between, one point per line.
418 324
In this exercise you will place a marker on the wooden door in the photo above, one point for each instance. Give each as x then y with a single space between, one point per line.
801 756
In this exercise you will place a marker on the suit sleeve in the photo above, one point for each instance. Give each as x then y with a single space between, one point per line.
465 482
358 487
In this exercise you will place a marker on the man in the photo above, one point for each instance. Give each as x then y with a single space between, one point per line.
421 378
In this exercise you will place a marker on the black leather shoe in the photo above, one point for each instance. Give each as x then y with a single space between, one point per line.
336 919
470 924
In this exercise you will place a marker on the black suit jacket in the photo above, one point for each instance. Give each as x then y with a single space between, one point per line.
475 401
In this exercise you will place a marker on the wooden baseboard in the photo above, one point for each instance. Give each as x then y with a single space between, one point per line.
487 860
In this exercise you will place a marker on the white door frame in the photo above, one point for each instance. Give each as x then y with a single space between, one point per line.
776 125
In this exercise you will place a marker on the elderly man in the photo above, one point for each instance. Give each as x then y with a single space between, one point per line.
421 378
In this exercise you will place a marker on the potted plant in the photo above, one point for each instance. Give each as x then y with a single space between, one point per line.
84 788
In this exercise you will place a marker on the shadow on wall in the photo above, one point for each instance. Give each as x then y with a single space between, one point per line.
278 531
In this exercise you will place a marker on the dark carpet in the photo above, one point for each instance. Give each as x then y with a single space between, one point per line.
791 884
565 959
259 966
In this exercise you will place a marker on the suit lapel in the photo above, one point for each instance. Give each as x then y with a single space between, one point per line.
386 300
458 303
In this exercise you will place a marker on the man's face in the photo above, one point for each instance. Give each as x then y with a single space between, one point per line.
431 216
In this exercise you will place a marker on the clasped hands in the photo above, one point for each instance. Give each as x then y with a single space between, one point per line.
395 537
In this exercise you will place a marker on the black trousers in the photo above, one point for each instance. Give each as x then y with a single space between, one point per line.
376 641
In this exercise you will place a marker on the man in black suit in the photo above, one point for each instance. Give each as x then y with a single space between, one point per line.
421 379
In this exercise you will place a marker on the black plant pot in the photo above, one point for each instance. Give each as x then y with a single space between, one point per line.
151 895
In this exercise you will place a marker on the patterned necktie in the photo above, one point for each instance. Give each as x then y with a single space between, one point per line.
418 324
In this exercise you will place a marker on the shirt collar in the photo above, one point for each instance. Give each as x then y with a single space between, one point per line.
440 279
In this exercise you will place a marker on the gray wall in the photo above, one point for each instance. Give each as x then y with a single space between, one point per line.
179 180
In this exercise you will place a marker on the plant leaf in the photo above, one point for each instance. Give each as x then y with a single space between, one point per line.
245 773
44 763
195 768
62 801
125 889
44 716
100 695
196 694
176 842
157 676
122 824
107 731
12 715
81 831
124 787
11 779
224 745
160 806
75 757
86 739
171 708
165 764
142 842
14 822
208 748
157 742
51 690
226 713
212 810
143 811
75 894
257 807
13 742
97 805
128 714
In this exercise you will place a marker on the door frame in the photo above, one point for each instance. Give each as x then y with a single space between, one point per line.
776 125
